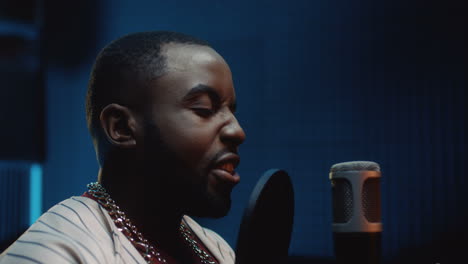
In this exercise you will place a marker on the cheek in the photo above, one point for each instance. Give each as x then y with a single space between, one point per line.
190 140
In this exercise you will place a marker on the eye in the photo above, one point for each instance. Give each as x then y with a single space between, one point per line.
204 112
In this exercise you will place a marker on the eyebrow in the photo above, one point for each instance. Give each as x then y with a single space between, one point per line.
202 89
208 90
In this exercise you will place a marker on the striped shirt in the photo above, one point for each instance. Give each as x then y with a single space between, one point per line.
79 230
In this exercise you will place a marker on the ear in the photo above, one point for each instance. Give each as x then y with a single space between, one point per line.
119 125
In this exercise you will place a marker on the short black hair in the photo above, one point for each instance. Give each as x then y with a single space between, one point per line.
128 63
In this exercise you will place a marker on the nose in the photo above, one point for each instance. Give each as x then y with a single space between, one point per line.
232 133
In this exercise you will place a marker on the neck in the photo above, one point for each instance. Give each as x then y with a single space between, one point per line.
153 214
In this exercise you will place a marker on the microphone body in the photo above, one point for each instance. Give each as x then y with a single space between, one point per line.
357 226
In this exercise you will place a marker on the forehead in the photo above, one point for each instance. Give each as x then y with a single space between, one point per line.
185 57
187 66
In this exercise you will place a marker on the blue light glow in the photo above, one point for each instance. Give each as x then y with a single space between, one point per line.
35 192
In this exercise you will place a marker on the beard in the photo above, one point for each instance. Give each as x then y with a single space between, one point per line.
183 189
209 205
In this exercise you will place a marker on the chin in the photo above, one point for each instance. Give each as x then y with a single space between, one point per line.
213 207
219 211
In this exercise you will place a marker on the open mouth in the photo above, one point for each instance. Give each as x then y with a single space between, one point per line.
225 166
228 167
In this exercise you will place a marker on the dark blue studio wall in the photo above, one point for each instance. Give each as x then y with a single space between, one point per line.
318 82
396 73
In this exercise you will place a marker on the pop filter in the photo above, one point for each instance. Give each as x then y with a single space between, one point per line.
265 231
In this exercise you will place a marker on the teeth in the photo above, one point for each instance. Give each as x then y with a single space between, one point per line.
229 167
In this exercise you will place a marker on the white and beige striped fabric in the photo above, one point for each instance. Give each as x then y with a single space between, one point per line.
79 230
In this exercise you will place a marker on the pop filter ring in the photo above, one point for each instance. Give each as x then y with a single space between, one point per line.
266 227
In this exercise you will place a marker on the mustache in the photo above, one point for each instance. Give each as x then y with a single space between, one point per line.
221 153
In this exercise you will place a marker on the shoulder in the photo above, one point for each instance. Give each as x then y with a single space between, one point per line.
77 217
75 230
213 241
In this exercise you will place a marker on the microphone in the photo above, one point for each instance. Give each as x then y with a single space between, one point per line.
357 224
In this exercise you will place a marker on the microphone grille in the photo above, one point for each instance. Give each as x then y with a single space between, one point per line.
342 197
355 166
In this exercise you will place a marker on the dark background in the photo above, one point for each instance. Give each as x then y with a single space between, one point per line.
318 82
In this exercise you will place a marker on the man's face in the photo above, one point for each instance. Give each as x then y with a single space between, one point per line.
192 128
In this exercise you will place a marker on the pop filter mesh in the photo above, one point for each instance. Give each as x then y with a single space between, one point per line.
266 227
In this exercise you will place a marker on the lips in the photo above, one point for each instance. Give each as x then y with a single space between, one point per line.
224 168
227 162
229 167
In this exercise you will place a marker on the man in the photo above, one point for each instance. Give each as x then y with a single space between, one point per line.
160 109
